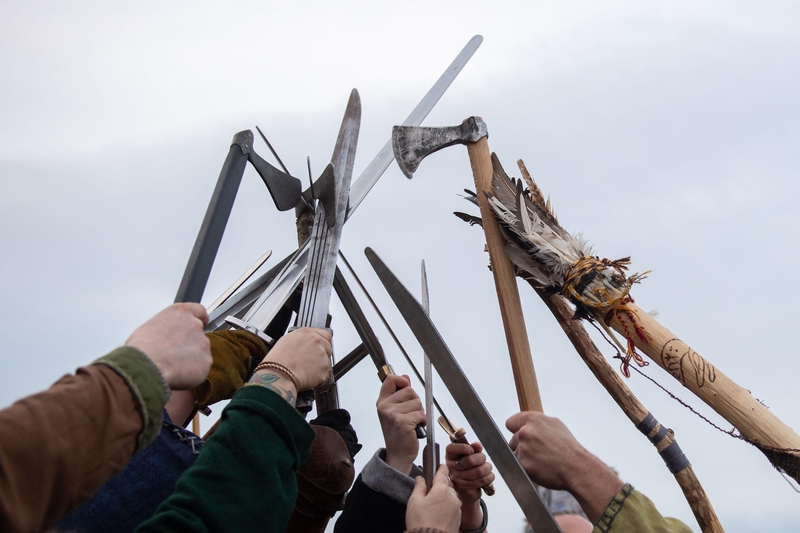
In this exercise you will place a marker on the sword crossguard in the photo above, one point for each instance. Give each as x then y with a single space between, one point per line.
241 324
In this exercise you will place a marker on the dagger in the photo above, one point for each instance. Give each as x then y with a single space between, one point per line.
467 399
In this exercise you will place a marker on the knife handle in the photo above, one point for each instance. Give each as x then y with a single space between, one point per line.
459 436
430 463
387 370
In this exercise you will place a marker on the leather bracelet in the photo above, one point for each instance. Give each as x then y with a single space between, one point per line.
483 525
280 368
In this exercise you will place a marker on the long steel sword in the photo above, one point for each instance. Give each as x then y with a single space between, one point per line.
323 243
283 285
467 399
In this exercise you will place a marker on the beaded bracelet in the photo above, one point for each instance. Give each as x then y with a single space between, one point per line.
280 368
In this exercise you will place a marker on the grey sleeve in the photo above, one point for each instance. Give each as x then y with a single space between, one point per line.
385 480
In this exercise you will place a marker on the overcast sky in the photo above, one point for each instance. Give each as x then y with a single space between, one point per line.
667 132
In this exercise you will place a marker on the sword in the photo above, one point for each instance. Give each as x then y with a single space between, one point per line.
273 294
323 244
467 399
430 454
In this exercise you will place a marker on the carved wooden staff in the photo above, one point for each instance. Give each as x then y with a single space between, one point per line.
411 145
600 288
661 437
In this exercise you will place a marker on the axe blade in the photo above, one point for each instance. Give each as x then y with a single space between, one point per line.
412 144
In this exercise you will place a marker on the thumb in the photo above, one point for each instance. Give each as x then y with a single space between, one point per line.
515 422
441 477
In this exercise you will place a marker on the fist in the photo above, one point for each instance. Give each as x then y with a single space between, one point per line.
175 343
438 508
469 470
307 353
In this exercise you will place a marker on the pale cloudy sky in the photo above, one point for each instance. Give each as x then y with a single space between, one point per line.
667 132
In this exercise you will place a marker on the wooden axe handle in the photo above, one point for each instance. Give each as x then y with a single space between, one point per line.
505 283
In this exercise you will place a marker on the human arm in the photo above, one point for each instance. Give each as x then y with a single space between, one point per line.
553 458
244 479
231 352
437 509
59 446
400 411
377 501
469 471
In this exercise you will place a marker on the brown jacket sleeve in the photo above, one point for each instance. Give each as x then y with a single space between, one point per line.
59 446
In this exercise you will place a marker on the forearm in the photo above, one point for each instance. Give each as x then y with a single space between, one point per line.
180 406
593 484
59 446
471 515
244 479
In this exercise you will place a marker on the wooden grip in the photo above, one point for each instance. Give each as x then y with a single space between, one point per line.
505 284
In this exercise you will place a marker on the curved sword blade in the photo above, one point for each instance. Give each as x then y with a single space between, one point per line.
467 399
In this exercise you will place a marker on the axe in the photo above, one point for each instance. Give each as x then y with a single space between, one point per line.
411 145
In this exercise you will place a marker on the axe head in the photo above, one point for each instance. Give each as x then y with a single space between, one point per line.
411 144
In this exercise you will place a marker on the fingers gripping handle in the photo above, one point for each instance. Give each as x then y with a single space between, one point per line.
387 370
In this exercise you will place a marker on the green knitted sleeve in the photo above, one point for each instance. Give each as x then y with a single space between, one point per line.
147 384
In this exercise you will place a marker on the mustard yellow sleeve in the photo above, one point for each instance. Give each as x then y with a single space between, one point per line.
630 511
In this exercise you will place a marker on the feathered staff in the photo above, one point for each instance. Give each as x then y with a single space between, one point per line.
554 260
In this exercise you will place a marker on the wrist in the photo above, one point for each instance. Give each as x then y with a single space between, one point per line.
594 485
471 514
277 382
478 527
401 463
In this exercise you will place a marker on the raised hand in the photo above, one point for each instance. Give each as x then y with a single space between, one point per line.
553 458
438 508
307 353
400 411
469 471
174 341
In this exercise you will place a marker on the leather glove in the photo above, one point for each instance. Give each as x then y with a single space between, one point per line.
231 351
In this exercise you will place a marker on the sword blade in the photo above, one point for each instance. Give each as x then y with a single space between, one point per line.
273 297
328 221
384 158
467 399
239 282
430 453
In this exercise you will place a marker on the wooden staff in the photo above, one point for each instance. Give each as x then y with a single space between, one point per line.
602 288
662 438
505 283
735 404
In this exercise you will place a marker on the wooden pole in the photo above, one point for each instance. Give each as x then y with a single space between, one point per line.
734 403
637 413
505 283
196 424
